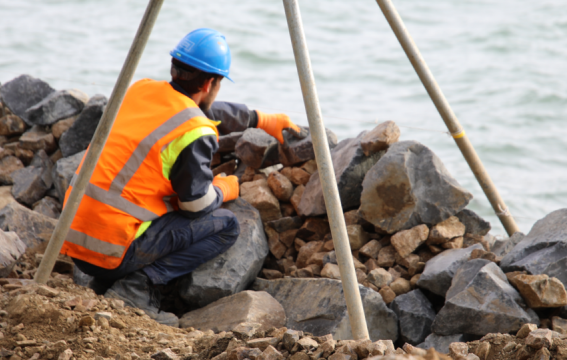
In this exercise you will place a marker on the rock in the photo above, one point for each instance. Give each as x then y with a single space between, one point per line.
445 231
296 197
234 270
47 291
61 126
357 237
474 224
290 338
270 353
379 277
543 250
272 274
103 314
371 249
559 325
400 286
295 150
165 354
66 355
11 125
318 307
29 186
314 229
32 227
387 256
263 343
23 92
227 143
79 135
254 147
57 106
525 330
49 207
8 165
503 246
350 165
415 315
227 313
540 291
410 186
380 138
277 248
307 344
259 195
481 291
439 271
440 343
43 161
406 241
286 223
63 171
539 338
306 252
331 271
6 196
299 176
117 323
281 187
11 249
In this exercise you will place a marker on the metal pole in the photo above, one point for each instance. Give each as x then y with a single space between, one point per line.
326 172
448 115
98 141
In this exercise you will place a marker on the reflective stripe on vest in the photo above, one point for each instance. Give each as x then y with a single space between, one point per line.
93 244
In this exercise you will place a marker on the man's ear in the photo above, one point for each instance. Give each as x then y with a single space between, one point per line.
207 85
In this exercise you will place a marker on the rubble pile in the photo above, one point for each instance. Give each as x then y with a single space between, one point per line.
430 274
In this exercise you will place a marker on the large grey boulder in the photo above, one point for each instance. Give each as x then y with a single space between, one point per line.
318 306
474 224
439 271
234 270
441 343
256 148
79 135
11 249
415 315
57 106
23 92
226 313
410 186
29 186
297 150
480 291
32 227
63 172
350 165
543 250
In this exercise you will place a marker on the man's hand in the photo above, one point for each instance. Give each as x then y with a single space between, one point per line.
228 186
273 124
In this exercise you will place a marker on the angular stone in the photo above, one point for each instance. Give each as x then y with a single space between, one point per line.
24 155
276 247
318 307
226 313
295 150
28 185
8 165
445 231
525 330
410 186
286 223
38 138
226 168
543 250
456 243
233 270
263 343
11 125
481 291
79 135
415 315
258 194
440 270
314 229
387 294
296 197
406 241
350 165
380 138
474 224
299 176
254 147
503 246
400 286
43 161
310 166
379 277
23 92
49 207
331 271
272 274
270 353
290 338
387 256
539 338
57 106
357 237
165 354
6 196
287 237
61 126
441 343
371 249
540 291
63 171
11 249
306 252
280 185
227 143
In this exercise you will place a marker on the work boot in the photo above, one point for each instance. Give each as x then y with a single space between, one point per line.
137 290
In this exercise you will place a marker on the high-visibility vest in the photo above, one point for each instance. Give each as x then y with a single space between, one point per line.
128 188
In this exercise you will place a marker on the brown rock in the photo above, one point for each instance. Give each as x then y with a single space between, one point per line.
317 259
406 241
309 166
352 217
539 338
259 195
306 272
298 243
287 237
306 252
272 274
38 138
299 176
379 277
287 209
525 330
241 353
559 325
388 295
86 321
540 291
270 353
400 286
371 249
387 256
5 196
280 186
331 271
8 165
445 231
416 268
263 343
328 246
296 197
11 125
407 261
458 349
357 237
456 243
47 291
413 281
248 175
276 247
314 229
286 171
380 138
61 126
117 323
260 177
371 264
228 168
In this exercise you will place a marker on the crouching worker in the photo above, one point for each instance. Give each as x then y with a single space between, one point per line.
151 211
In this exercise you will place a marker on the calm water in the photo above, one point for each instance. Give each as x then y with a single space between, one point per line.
501 64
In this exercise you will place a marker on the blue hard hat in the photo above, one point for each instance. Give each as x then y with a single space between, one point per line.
206 50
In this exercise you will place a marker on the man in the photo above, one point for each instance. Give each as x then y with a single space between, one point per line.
151 211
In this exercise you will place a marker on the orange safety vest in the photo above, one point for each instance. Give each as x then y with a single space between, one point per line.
128 186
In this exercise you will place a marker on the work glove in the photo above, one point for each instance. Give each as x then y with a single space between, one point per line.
273 124
228 185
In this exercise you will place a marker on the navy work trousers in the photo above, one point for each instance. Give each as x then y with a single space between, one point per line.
173 246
